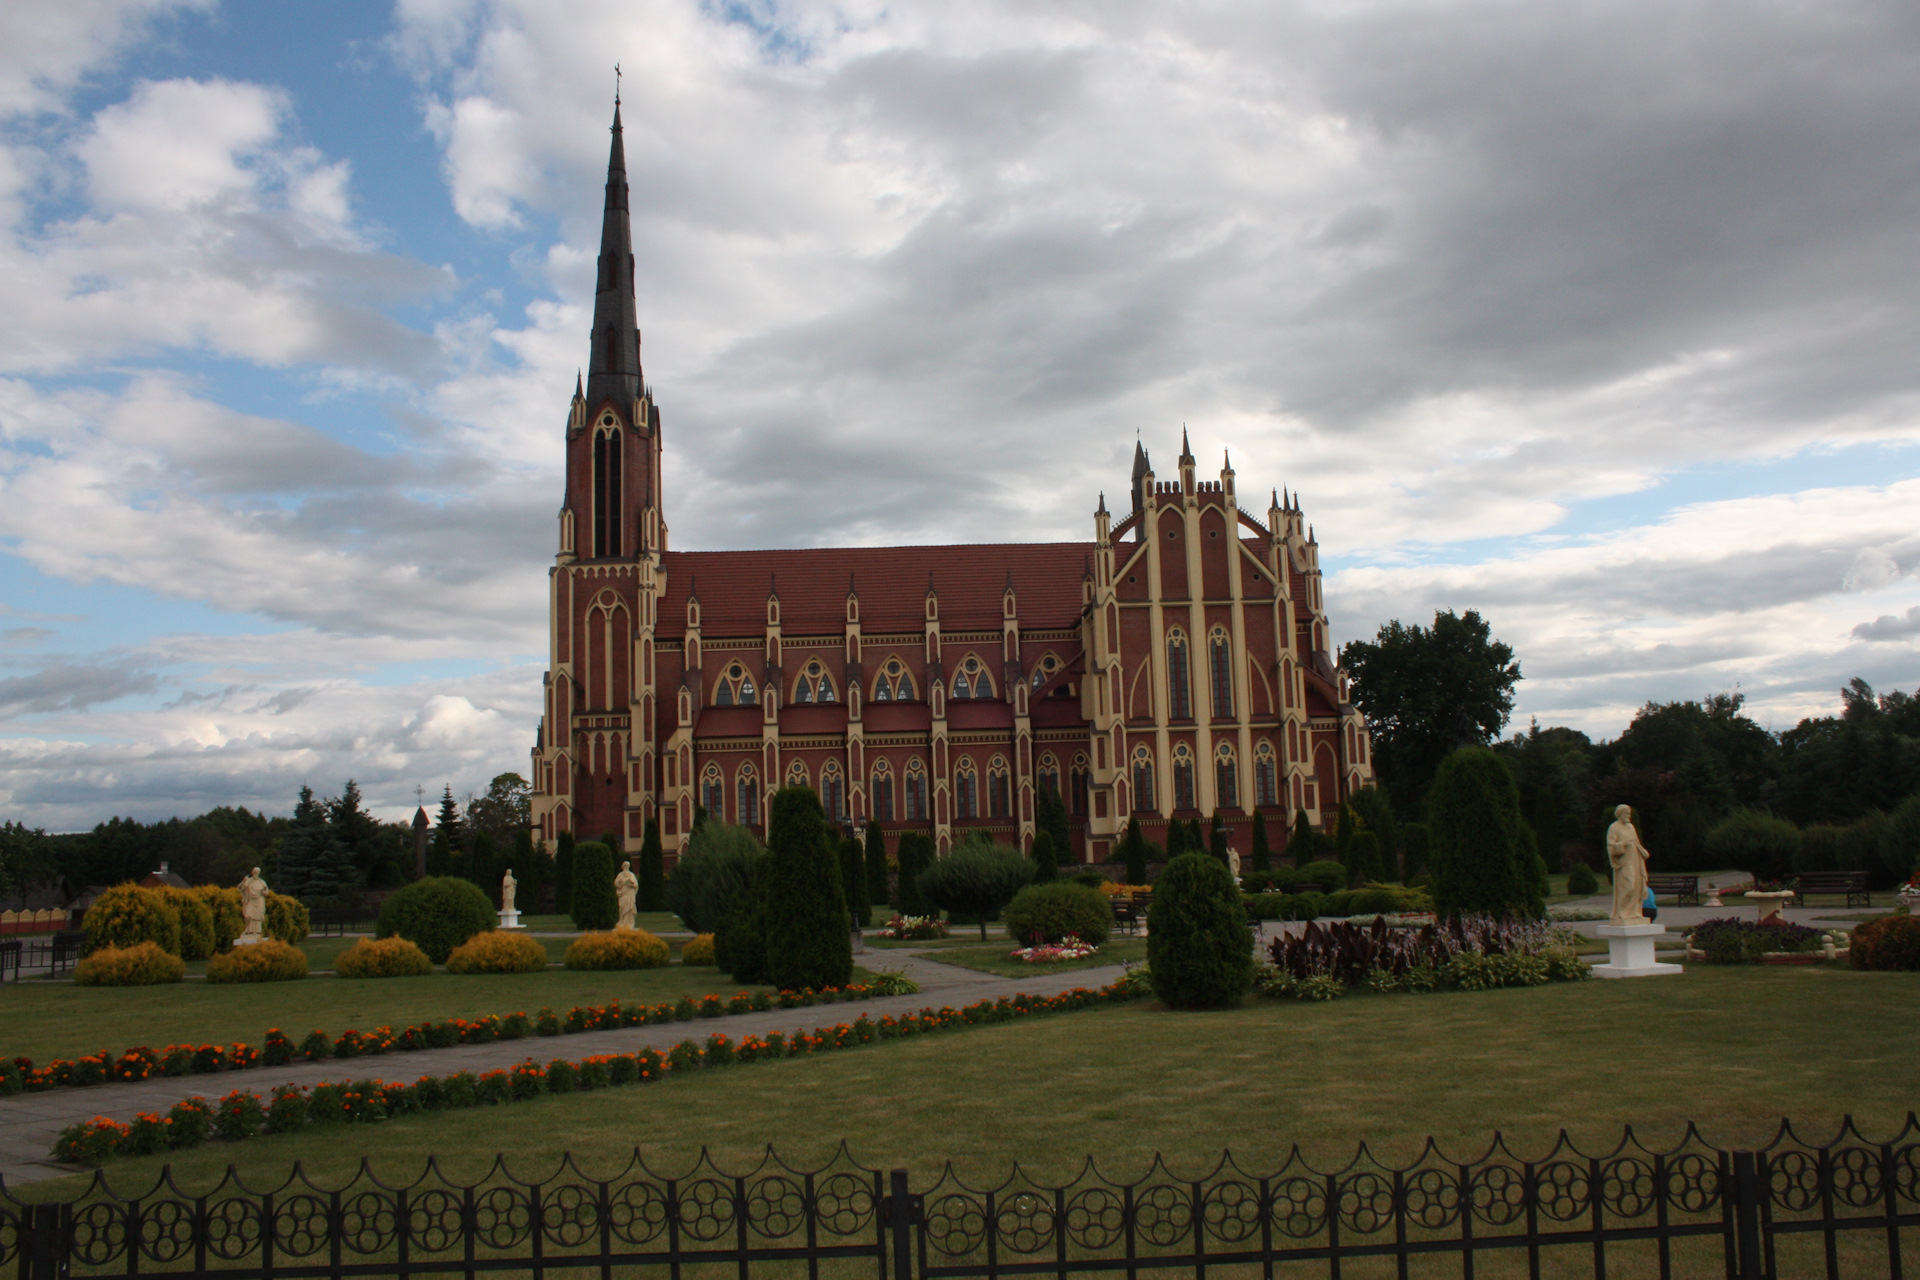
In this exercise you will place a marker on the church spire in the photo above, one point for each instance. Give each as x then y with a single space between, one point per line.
613 369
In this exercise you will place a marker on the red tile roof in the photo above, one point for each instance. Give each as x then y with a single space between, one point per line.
896 717
813 719
891 581
728 722
965 714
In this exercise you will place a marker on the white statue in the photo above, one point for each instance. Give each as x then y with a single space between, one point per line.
253 907
1233 864
1629 859
507 887
627 886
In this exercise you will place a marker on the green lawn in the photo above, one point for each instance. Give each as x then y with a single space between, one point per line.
995 957
43 1020
1733 1049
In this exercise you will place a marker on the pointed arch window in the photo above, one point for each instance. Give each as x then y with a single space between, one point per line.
962 686
735 687
1226 778
713 793
966 791
882 789
1182 777
1142 780
814 685
606 488
747 794
1077 779
1043 670
1179 688
903 688
797 775
999 789
1220 662
1266 785
1050 774
833 791
916 791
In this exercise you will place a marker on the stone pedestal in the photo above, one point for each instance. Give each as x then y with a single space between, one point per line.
1630 951
510 920
1770 902
248 940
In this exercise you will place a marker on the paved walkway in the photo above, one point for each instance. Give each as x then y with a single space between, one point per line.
30 1122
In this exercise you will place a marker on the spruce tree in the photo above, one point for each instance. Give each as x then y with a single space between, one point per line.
876 859
300 846
1134 850
449 836
1300 840
595 904
652 870
481 868
1261 858
562 877
808 933
357 831
915 852
1046 866
1219 840
853 881
1479 849
1050 816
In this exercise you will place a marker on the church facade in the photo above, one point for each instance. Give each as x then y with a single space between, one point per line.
1177 664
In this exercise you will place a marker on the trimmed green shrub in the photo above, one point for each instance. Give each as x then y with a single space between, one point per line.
976 880
143 964
1375 811
1220 839
1481 848
1261 857
1755 842
127 915
1046 863
223 904
915 854
1891 942
270 960
853 881
697 950
652 870
1900 838
876 865
287 919
1415 839
595 904
499 951
713 875
436 914
1300 846
562 877
1199 948
1582 880
1329 875
1286 906
1363 854
1057 910
740 945
382 958
619 949
1133 850
803 915
197 941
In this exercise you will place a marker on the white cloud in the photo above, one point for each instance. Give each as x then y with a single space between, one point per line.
45 49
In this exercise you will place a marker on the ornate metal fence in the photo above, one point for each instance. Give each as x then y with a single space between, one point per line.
1792 1208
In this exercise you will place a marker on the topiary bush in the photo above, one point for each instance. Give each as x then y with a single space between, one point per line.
809 935
713 875
382 958
976 880
436 914
1582 880
270 960
698 950
595 904
142 965
621 949
1328 874
1891 942
498 951
1057 910
127 915
1480 850
1199 948
287 918
197 941
223 903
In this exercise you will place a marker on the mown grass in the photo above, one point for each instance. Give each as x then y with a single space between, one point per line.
996 957
1731 1049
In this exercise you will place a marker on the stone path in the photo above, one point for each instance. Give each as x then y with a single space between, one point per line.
30 1122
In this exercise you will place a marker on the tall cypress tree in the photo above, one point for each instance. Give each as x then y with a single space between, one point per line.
1046 866
1134 850
1261 858
853 882
595 904
876 859
1176 839
1480 852
809 936
652 870
529 871
481 869
915 852
563 873
1196 838
1050 816
1300 840
1219 839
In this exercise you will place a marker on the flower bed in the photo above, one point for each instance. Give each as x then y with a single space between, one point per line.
1730 940
290 1107
913 928
18 1075
1050 952
1326 960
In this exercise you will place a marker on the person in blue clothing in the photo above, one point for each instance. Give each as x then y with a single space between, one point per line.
1649 908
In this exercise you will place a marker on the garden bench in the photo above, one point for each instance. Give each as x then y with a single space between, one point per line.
324 921
1126 918
1851 883
1684 890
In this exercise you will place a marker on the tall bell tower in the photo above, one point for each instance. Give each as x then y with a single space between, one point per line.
593 762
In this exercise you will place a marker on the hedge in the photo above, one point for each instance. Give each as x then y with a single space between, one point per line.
498 951
385 958
620 949
141 965
269 960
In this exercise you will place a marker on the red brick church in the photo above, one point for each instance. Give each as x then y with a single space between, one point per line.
1177 663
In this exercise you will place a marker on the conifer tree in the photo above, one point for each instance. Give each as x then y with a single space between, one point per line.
915 852
595 904
876 859
1261 857
1134 850
1050 816
356 830
1196 838
529 871
562 877
805 922
481 868
853 882
1480 851
449 836
313 865
1546 824
1046 866
1219 839
1176 839
652 870
1300 841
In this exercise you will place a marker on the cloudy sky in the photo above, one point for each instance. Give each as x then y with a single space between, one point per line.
1600 318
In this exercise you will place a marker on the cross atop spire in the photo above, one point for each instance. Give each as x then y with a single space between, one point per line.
613 366
1186 450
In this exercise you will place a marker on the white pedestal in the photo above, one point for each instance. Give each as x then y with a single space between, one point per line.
248 940
510 920
1630 951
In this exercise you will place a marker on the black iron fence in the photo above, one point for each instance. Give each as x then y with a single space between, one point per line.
1791 1208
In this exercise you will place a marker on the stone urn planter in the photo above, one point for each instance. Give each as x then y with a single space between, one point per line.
1770 901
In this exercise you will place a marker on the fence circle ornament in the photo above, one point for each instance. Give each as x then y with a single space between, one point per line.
1366 1202
1095 1218
776 1207
1856 1177
1232 1211
433 1221
1300 1207
1165 1214
1626 1187
502 1217
1499 1195
99 1233
956 1224
1024 1222
300 1225
843 1203
569 1215
1432 1198
166 1231
638 1213
1693 1182
707 1210
1563 1190
368 1222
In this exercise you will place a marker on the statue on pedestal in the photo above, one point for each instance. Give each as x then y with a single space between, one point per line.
508 886
627 886
1629 860
253 908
